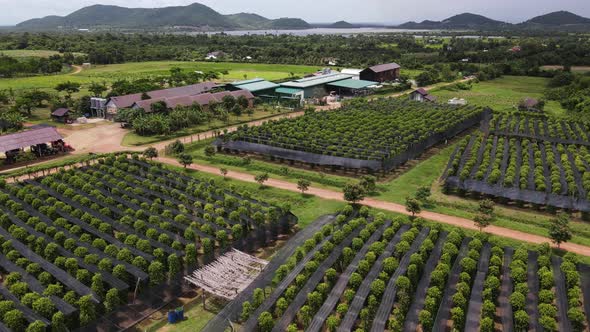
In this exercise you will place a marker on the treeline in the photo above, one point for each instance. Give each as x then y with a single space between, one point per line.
571 90
10 67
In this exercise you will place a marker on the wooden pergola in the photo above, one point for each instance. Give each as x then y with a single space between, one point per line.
228 275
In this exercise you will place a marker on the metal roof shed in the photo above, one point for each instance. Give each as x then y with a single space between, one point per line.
261 85
28 138
353 84
315 87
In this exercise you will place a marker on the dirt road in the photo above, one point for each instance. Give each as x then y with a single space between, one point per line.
388 206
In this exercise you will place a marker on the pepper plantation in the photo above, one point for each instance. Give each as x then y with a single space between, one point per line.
527 158
364 272
374 136
77 246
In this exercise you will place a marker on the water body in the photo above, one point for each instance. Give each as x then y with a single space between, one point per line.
317 31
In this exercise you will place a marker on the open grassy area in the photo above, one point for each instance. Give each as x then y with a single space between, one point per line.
135 70
503 94
31 53
133 139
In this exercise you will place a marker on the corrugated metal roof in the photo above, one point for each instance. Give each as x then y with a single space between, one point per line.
188 90
27 138
353 84
351 71
254 80
316 80
257 86
287 91
384 67
60 112
201 99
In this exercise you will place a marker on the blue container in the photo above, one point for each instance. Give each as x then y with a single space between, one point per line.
172 317
180 314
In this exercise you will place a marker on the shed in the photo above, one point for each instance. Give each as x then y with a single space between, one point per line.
36 139
257 86
61 115
351 71
315 87
381 73
352 86
421 95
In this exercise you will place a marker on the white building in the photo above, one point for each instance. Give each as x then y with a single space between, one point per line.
356 73
457 101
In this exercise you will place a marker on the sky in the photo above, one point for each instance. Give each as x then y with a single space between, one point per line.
318 11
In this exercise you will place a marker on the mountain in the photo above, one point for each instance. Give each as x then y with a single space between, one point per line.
194 16
341 25
559 18
461 21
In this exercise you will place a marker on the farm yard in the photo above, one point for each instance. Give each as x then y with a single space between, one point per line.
531 159
75 243
377 136
367 272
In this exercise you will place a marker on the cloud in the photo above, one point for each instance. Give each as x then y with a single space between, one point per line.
385 11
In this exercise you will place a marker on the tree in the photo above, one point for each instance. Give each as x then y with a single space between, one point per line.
353 193
246 311
112 300
14 320
257 297
176 147
156 272
486 207
423 194
69 88
58 322
303 185
174 265
151 153
413 206
185 159
97 89
369 183
261 178
210 151
559 230
223 172
87 310
482 221
265 322
44 307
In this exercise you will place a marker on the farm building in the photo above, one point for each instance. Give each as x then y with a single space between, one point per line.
352 87
61 115
97 107
356 73
315 87
203 99
37 139
257 86
114 104
457 101
422 95
381 73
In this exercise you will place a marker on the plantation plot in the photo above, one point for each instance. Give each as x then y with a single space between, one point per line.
375 136
364 272
528 159
74 245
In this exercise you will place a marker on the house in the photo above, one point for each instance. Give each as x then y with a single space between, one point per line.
203 99
422 95
356 73
257 86
457 101
381 73
529 104
215 55
61 115
114 104
315 86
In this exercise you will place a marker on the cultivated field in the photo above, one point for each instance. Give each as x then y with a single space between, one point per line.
378 135
370 273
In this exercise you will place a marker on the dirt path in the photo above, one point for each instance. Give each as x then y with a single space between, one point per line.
393 207
427 88
77 69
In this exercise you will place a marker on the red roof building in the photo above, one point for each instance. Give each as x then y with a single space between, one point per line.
381 73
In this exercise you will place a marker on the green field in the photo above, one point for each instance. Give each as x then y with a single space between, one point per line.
135 70
31 53
503 94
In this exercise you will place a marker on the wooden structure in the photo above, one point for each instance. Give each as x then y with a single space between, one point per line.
42 141
422 95
228 275
61 115
381 73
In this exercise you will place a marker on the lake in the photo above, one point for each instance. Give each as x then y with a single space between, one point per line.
316 31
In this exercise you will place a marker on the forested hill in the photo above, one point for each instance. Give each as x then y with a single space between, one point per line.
561 20
194 15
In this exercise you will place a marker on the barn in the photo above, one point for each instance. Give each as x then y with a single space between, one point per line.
381 73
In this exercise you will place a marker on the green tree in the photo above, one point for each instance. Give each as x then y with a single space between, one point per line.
112 300
353 193
423 194
14 320
58 322
151 153
303 185
156 272
69 88
97 89
87 310
559 230
185 159
369 183
265 322
246 311
482 221
223 172
413 206
261 178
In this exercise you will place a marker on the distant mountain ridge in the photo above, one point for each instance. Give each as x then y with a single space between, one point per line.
194 15
560 19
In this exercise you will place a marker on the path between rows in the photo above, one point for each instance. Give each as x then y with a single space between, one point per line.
389 206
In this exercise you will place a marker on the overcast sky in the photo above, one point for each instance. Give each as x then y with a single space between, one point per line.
319 11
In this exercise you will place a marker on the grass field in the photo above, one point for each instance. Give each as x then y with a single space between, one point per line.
503 94
31 53
134 70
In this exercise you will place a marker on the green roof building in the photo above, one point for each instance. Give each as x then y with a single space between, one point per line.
257 86
316 86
